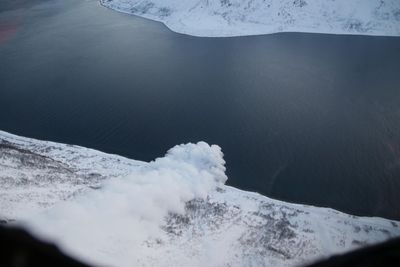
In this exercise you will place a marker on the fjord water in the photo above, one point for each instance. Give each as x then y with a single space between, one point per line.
307 118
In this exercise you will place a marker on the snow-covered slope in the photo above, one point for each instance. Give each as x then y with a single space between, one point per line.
249 17
173 211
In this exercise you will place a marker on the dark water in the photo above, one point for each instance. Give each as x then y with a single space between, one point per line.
306 118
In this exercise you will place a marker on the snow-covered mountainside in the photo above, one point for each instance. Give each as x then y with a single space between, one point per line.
250 17
173 211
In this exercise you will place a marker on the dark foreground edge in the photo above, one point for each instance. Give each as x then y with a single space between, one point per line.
18 248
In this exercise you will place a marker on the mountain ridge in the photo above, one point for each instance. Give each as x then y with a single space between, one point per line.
175 210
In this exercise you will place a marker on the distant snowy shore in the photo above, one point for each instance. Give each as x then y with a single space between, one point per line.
221 18
174 211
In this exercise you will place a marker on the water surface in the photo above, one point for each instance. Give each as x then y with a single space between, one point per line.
307 118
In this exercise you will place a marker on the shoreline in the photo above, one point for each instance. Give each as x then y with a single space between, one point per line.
241 30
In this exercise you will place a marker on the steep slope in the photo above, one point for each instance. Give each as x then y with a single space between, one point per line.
249 17
174 211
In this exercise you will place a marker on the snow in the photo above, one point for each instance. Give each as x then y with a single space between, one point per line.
174 211
221 18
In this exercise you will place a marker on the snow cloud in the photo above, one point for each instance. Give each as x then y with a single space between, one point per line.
108 225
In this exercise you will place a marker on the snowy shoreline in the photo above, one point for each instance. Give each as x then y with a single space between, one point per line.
175 210
228 18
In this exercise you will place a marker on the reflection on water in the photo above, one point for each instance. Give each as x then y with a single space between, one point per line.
302 117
